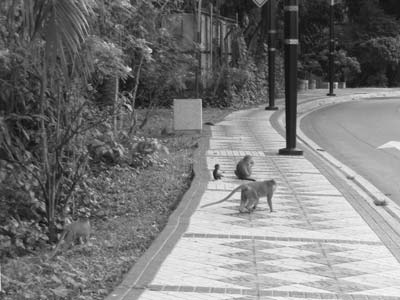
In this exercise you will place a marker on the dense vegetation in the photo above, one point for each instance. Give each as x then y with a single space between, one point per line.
82 84
367 40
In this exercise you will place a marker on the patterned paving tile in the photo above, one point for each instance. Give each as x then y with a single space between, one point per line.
246 281
389 292
293 264
339 286
266 283
169 295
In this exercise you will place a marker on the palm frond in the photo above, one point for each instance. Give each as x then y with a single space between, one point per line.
62 24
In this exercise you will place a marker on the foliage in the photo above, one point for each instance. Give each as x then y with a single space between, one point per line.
108 59
144 30
366 41
129 209
370 20
314 33
391 7
146 152
346 67
45 103
20 209
378 57
137 152
243 79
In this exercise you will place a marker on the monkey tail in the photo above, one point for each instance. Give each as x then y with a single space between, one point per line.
226 198
248 178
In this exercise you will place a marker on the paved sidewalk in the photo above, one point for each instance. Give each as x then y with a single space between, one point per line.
315 245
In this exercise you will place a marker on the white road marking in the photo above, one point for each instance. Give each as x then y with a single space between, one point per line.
391 144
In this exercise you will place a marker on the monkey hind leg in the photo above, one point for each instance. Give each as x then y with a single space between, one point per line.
249 200
245 198
253 200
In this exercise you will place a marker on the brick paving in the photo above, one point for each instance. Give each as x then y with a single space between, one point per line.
321 242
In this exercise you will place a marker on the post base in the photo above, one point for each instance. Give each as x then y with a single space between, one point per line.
290 151
331 94
272 108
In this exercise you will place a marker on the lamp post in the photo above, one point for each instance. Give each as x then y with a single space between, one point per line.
331 47
198 40
271 54
291 36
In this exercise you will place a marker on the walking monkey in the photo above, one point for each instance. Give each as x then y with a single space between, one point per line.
244 168
251 193
76 231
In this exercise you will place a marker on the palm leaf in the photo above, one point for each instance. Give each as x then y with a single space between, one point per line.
62 24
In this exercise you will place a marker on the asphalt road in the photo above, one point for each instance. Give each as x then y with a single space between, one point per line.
353 131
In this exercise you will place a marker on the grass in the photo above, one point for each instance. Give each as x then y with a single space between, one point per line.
134 208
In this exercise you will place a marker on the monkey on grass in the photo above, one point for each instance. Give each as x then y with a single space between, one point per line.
217 174
250 195
76 231
244 168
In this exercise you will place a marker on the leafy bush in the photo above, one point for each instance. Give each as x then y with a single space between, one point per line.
21 212
137 152
378 57
346 67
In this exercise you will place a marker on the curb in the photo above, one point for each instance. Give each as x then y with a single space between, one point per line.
143 271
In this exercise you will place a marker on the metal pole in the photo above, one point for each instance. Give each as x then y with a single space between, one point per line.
271 54
331 47
291 47
211 37
198 39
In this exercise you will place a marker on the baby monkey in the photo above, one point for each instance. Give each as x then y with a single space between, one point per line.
244 168
217 173
251 193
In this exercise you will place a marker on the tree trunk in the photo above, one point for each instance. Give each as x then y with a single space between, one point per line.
49 194
134 93
115 106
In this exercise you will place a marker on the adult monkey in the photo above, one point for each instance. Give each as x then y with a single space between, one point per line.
250 194
76 231
244 168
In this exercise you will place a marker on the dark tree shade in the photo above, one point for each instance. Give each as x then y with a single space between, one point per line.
391 7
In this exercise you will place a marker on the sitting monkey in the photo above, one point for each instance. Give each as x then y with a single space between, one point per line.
244 168
251 193
217 174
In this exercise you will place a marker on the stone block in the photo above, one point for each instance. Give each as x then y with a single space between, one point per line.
188 115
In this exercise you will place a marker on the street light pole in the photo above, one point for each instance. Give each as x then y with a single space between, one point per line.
271 54
198 40
291 46
331 47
